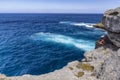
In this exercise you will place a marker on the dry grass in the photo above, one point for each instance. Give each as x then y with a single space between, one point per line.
71 68
99 25
86 67
80 74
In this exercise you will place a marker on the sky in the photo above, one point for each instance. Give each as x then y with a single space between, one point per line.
57 6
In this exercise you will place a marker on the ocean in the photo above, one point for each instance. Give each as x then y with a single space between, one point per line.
41 43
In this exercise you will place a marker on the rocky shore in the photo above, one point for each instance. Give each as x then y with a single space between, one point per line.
103 63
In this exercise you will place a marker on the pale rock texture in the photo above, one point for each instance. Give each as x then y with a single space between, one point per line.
118 52
111 22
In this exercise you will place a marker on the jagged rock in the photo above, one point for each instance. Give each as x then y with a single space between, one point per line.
115 38
111 22
108 64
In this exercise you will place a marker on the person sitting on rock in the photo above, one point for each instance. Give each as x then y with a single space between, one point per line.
103 41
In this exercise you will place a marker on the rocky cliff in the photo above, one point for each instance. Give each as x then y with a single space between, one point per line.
103 63
111 21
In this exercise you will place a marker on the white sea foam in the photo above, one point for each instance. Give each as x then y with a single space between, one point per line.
77 24
83 24
79 43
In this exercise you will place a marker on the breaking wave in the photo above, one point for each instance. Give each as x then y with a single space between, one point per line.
77 24
51 37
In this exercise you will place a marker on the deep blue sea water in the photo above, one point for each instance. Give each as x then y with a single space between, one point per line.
41 43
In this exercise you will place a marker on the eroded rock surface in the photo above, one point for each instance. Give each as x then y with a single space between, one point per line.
111 22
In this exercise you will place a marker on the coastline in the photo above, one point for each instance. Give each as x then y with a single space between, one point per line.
102 63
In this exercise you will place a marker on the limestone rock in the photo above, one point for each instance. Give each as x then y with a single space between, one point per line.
115 38
118 52
111 22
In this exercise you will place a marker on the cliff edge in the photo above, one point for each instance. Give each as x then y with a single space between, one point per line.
103 63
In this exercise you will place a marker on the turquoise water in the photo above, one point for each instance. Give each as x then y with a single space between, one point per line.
41 43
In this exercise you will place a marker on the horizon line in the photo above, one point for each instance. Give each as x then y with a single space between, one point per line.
44 13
